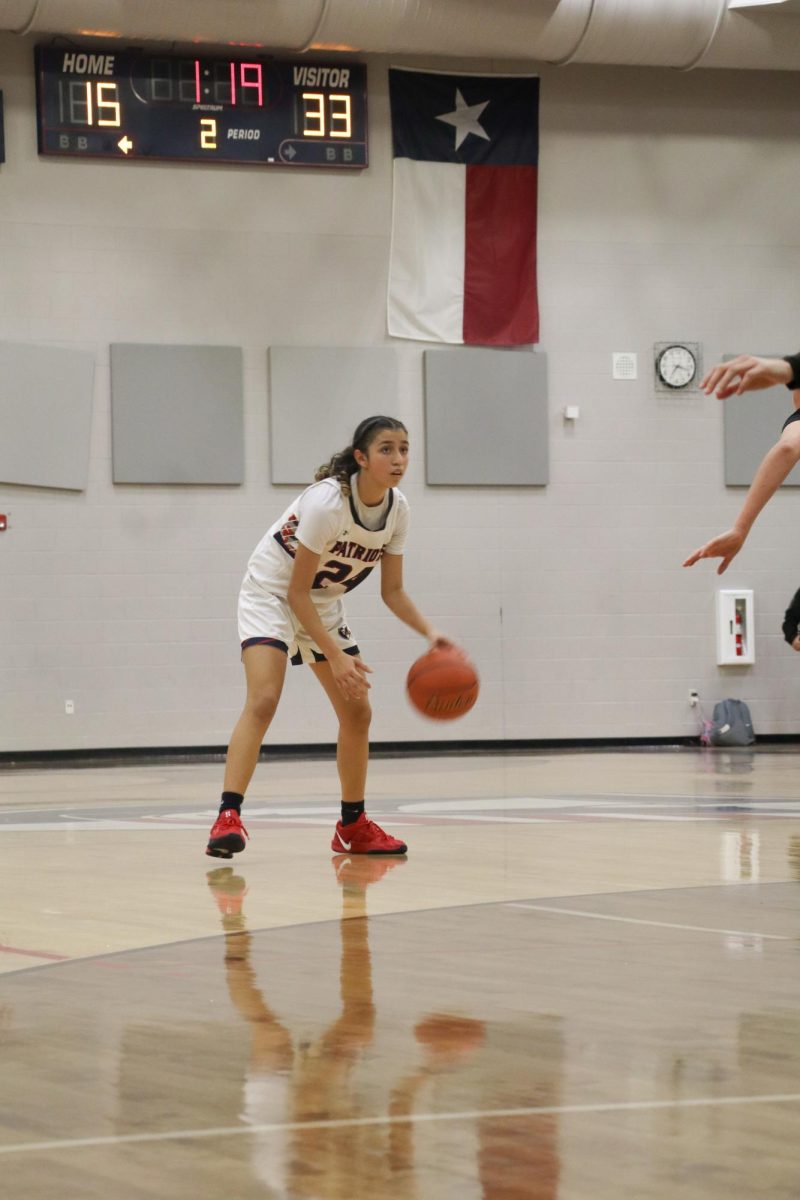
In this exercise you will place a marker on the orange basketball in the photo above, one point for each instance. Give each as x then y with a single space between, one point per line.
442 684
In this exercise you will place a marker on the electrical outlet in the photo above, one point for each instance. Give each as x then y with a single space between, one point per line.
693 698
69 707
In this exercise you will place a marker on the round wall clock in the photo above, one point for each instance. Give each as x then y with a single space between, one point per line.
676 365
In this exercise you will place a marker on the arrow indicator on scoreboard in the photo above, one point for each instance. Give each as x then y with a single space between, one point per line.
125 144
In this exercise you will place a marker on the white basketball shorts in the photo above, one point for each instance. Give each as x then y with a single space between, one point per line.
267 620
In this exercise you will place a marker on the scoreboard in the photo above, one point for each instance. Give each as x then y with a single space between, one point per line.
132 105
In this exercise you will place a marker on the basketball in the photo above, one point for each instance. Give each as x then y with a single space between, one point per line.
442 684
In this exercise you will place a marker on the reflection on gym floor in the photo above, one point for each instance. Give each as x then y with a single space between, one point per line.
582 984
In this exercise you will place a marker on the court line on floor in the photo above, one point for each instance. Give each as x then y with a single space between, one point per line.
577 912
33 953
491 1114
105 957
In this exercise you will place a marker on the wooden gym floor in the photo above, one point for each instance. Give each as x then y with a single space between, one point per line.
582 984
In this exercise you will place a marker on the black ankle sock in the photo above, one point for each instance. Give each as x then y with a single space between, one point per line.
351 812
231 800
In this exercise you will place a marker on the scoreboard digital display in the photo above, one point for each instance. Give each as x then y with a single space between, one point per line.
133 105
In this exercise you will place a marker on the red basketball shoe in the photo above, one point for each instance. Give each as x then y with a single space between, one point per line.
359 873
228 890
365 837
227 835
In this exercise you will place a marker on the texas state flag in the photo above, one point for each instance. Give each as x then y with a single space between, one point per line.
463 256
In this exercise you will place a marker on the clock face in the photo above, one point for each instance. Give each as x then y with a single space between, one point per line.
676 366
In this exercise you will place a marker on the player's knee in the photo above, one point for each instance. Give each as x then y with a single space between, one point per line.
358 716
262 704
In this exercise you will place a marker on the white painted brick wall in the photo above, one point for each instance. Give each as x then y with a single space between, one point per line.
667 209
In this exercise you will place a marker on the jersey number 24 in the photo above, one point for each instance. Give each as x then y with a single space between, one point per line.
338 572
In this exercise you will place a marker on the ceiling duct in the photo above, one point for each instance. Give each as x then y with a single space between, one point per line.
649 33
278 23
500 29
664 33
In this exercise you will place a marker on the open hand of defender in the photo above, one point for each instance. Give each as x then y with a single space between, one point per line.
745 373
726 547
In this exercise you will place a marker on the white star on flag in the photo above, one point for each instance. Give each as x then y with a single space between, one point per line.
465 119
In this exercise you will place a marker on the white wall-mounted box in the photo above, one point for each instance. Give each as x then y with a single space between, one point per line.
736 644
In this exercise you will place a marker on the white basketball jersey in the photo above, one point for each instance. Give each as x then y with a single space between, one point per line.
326 521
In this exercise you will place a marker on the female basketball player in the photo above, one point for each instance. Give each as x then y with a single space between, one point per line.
791 622
290 606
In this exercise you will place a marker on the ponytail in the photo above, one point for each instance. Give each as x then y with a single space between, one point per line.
344 465
340 467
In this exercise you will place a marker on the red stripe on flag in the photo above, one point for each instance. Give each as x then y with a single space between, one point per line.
501 307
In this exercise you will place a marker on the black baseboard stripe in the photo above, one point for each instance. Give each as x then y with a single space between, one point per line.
134 756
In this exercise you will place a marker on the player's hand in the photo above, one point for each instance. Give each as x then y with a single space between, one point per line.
438 641
745 373
726 547
350 676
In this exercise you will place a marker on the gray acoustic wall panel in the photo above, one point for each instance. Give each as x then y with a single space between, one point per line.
486 417
317 397
45 415
177 414
752 424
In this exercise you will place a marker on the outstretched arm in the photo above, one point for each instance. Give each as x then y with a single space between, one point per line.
775 466
746 373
